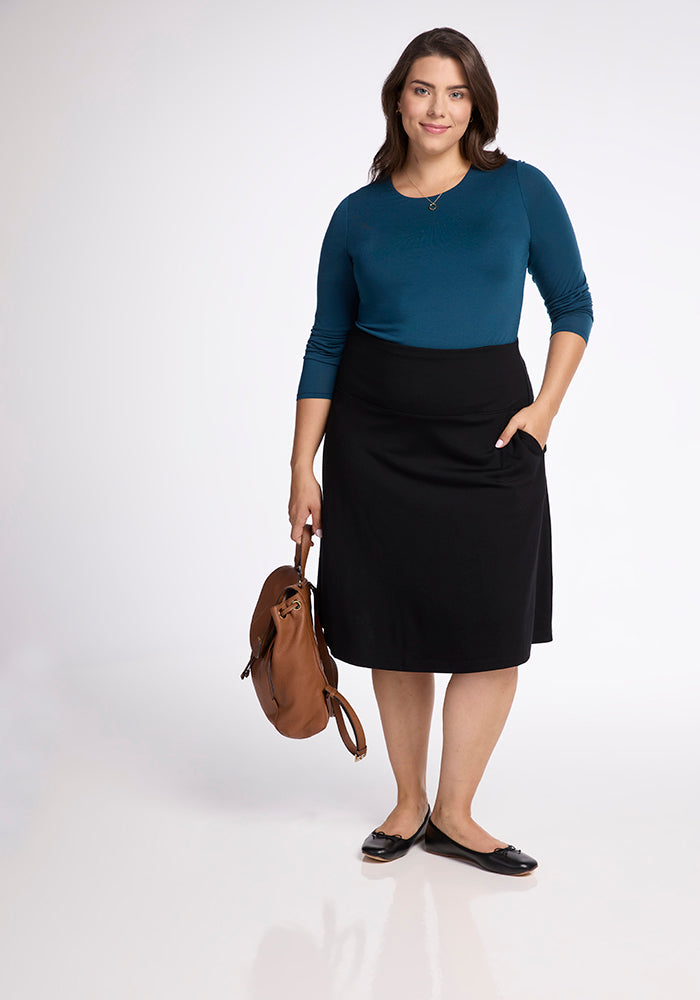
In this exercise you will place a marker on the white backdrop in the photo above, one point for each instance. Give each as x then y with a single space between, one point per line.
167 176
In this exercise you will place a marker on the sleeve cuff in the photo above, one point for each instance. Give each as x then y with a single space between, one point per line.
317 379
580 323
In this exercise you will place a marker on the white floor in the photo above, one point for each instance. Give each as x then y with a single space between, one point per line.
153 849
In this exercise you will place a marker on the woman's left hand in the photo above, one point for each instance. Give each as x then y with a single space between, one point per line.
536 419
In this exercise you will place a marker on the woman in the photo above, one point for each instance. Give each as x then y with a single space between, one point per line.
436 548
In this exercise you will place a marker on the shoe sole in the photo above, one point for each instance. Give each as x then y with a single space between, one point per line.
475 864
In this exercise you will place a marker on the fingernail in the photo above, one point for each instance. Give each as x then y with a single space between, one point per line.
319 532
499 443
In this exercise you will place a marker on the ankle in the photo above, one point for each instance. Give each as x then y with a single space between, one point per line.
418 798
451 813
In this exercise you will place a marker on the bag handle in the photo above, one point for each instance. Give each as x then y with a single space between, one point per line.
302 550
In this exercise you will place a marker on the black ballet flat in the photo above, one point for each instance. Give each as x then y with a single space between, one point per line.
504 860
389 846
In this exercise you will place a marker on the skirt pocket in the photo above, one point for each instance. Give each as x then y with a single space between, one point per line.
532 441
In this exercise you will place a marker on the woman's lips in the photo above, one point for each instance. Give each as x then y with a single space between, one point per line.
435 129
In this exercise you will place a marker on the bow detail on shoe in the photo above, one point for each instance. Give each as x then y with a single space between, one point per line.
502 850
389 836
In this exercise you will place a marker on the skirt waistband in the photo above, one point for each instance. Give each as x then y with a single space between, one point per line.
434 381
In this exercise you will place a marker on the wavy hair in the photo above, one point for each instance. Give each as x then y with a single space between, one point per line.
446 42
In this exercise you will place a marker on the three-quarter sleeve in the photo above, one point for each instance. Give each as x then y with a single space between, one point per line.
337 301
554 261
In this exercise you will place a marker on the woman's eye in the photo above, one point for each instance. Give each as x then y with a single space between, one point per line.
422 90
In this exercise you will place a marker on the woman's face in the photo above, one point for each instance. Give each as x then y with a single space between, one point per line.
435 104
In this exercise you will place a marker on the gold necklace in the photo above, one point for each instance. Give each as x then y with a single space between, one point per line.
432 203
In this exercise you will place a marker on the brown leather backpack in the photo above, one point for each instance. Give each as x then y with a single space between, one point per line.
294 675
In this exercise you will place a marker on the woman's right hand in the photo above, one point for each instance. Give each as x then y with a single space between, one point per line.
304 499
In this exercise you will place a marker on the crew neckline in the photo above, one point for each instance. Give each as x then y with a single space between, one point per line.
408 197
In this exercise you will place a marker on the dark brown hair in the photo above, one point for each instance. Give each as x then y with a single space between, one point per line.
452 44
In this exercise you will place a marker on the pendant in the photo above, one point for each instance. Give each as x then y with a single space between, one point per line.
432 206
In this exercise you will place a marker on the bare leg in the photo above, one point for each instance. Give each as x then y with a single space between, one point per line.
405 703
474 713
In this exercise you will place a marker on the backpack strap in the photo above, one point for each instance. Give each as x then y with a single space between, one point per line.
358 747
338 703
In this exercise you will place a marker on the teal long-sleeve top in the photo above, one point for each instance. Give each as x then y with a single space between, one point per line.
453 277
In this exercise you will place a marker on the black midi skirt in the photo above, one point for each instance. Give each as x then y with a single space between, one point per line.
436 551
